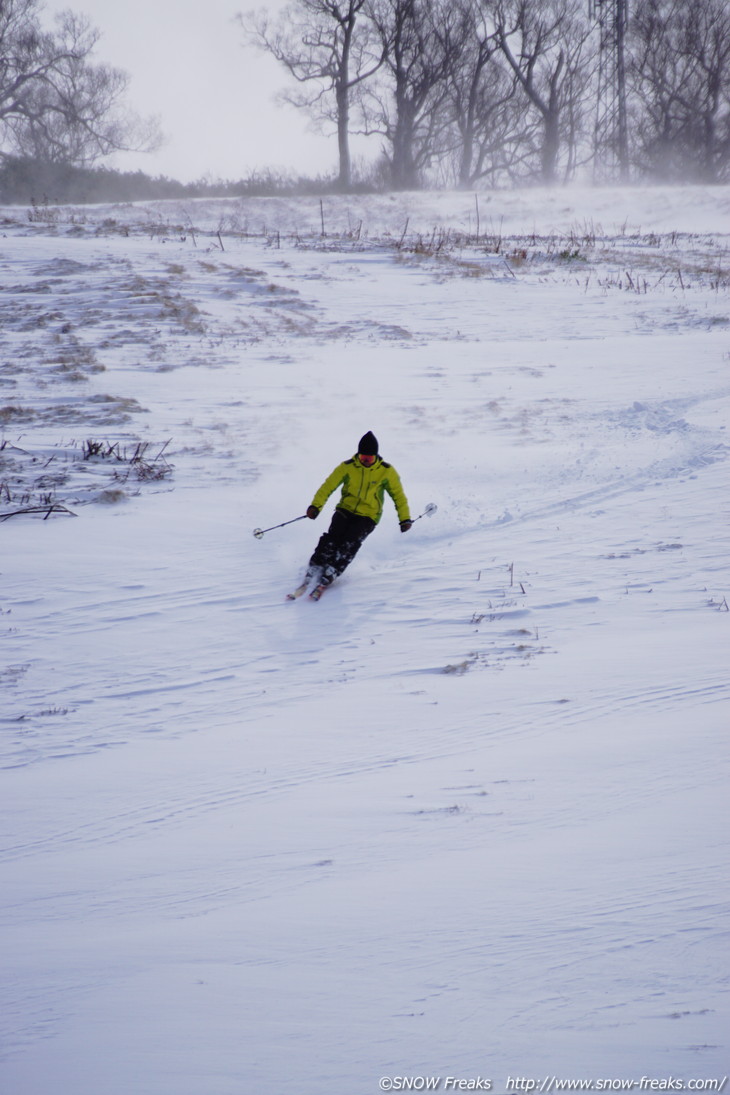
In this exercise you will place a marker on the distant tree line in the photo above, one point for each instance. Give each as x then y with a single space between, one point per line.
41 183
490 92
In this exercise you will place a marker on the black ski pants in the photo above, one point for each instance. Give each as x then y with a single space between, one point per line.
340 544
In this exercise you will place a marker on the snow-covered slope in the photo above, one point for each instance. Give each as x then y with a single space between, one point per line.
466 817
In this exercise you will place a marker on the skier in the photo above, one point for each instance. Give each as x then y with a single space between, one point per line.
364 478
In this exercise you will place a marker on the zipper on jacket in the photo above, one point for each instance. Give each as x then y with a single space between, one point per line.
362 490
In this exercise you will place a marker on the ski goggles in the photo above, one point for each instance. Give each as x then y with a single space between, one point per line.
368 461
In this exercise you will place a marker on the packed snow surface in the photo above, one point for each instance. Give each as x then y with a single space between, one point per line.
463 821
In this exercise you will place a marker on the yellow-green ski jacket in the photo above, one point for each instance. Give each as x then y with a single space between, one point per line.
363 489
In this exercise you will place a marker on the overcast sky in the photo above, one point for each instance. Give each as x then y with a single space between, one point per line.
213 96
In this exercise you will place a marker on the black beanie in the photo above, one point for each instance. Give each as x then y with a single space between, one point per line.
368 445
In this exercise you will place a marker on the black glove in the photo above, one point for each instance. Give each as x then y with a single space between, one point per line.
406 525
312 512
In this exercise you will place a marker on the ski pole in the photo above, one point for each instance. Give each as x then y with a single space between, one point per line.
259 532
428 512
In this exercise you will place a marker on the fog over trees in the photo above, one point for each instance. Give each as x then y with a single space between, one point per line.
463 92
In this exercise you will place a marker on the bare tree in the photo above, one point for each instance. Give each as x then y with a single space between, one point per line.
545 45
408 105
55 104
486 113
680 73
327 48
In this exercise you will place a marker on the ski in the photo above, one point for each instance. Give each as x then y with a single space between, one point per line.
297 592
313 574
302 589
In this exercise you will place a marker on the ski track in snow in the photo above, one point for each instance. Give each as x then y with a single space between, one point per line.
465 815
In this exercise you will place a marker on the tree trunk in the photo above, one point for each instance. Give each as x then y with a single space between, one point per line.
344 178
550 148
465 161
403 168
